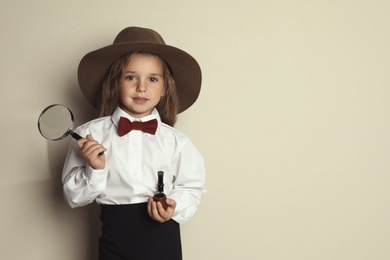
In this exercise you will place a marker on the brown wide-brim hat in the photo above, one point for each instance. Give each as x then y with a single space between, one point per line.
94 66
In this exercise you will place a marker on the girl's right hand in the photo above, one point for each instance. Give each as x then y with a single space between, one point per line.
90 149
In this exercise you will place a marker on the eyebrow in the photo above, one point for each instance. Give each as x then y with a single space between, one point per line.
156 74
151 74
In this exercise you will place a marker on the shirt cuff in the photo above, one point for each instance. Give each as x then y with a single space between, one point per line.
95 175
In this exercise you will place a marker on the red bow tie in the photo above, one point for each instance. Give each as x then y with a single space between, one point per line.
126 126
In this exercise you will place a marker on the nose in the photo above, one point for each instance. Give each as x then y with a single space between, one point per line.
141 86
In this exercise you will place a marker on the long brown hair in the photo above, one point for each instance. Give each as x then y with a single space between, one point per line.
109 96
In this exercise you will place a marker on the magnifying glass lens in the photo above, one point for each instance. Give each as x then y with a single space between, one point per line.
55 122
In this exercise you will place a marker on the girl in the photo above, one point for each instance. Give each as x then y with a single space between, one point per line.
139 84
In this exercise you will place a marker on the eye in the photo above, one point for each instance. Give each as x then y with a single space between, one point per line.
130 77
153 79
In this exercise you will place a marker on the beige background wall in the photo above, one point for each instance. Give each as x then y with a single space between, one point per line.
293 121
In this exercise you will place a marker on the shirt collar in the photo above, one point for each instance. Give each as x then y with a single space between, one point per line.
118 113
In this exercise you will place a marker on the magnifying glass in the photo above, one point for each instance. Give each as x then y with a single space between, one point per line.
56 122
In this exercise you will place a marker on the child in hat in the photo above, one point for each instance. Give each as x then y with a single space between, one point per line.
139 84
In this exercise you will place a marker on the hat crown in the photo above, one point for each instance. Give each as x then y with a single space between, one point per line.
137 34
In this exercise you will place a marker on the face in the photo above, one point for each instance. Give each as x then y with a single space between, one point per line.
141 85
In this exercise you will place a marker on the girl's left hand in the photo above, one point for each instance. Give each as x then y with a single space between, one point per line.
157 212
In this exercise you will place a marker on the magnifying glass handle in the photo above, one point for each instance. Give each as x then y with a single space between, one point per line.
74 135
78 137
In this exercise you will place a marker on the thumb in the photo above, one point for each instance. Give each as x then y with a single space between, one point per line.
89 137
171 202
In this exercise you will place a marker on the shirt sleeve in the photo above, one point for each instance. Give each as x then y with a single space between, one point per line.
81 183
188 186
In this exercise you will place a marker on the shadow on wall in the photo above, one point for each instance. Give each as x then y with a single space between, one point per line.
85 220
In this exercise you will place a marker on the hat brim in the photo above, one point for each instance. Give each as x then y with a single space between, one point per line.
94 66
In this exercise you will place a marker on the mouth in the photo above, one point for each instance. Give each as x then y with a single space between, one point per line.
140 100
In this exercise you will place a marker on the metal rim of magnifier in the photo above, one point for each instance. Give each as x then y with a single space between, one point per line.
69 128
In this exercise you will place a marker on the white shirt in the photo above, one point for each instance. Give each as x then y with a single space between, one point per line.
132 163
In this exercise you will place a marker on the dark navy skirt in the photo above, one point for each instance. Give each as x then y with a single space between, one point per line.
128 232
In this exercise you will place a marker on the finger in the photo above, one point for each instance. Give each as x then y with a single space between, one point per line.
92 149
155 212
81 142
88 143
164 214
85 143
171 203
150 209
96 150
149 206
171 206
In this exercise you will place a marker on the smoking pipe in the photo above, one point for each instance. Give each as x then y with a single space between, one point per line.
160 195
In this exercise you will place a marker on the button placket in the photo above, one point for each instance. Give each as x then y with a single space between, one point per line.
135 159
